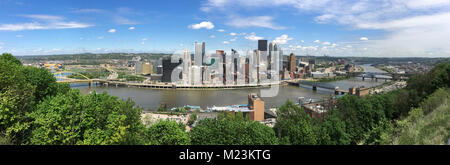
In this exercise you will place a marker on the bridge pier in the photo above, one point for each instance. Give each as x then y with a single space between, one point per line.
363 78
314 88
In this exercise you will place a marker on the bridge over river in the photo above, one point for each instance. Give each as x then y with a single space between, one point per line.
315 85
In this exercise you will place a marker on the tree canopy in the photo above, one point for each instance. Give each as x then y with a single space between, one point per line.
231 130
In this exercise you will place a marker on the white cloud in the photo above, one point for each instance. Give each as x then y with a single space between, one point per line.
233 39
221 30
43 22
408 27
214 5
204 24
237 34
142 43
283 39
326 43
324 18
363 39
254 21
316 41
302 41
144 39
226 42
309 48
100 37
131 28
19 36
40 26
333 45
252 37
112 30
44 17
212 36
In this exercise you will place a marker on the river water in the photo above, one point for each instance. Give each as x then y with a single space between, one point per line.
152 98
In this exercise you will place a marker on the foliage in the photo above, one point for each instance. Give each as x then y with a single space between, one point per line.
234 130
293 125
167 133
192 118
427 124
333 130
91 74
17 99
335 78
128 77
92 119
10 58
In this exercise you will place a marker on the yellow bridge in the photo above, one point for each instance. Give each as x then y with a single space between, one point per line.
64 79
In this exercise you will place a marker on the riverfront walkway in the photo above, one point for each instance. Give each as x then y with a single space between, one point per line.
164 85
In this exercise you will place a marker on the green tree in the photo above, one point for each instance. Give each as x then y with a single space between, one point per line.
294 126
333 130
94 119
231 131
16 100
166 133
11 58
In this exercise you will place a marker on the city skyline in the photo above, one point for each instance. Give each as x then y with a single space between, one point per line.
347 28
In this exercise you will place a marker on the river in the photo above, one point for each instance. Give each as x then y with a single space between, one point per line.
152 98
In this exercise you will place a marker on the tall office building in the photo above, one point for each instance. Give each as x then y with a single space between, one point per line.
262 45
241 70
257 63
138 67
222 69
199 57
281 58
168 68
206 74
186 67
273 51
234 58
196 75
147 68
292 66
199 53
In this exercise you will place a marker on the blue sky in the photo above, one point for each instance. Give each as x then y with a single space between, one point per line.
379 28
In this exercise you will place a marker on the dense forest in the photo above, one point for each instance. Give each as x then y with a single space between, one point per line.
36 110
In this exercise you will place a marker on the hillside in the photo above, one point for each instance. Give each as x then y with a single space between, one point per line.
428 124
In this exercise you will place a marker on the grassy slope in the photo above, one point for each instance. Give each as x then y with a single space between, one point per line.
431 128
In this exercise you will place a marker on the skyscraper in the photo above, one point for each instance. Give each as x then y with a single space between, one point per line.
199 53
221 54
199 57
235 57
292 65
168 68
186 66
273 48
262 45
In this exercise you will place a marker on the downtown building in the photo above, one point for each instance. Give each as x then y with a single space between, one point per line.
219 69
